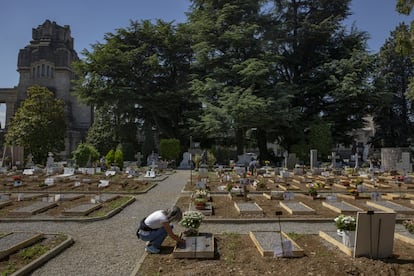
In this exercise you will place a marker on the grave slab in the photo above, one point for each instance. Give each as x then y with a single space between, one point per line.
391 207
33 209
13 242
5 203
296 208
207 211
392 196
24 196
82 210
288 187
342 207
267 241
335 239
70 197
405 238
109 197
359 196
273 195
198 247
248 208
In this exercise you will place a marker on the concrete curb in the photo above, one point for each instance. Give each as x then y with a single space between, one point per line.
44 258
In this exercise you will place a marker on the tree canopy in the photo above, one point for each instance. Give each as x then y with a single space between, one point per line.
38 124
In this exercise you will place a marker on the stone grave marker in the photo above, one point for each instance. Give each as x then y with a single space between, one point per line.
375 196
391 207
405 165
186 163
197 247
103 183
375 235
277 195
5 201
82 210
28 172
33 209
69 197
342 207
49 181
288 196
108 197
248 208
275 244
296 208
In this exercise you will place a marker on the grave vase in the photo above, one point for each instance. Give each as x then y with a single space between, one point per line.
348 238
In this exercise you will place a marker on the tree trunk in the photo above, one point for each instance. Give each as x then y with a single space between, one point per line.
240 141
262 145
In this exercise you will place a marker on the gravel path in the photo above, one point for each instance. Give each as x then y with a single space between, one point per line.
110 247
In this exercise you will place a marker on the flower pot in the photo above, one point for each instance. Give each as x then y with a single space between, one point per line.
348 238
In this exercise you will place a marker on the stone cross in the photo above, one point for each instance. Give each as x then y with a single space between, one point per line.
333 158
356 160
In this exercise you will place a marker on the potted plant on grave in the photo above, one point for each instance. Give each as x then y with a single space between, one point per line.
200 199
409 225
191 220
313 192
346 226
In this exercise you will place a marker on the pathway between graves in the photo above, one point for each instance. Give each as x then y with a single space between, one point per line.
110 247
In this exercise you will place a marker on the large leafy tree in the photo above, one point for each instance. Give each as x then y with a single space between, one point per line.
140 75
39 124
393 115
324 67
232 71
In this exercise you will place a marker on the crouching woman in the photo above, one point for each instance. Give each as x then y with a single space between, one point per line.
157 226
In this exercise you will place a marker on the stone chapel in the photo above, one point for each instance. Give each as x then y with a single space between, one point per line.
47 61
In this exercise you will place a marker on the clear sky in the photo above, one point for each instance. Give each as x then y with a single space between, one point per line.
89 20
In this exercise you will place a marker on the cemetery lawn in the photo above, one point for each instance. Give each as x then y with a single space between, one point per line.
237 255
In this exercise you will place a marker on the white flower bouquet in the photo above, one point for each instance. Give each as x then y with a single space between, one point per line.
192 219
345 223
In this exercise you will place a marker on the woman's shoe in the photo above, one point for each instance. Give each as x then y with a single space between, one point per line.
152 249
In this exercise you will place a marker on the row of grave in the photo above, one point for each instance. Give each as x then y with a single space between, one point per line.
279 244
47 202
300 208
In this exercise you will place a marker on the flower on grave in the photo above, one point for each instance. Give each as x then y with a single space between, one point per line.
319 185
16 177
409 225
312 190
358 182
353 191
267 162
192 219
345 223
200 193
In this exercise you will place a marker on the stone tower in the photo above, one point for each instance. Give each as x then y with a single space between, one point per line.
47 61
